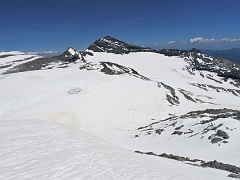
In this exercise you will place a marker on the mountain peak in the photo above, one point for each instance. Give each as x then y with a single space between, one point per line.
194 50
70 55
112 45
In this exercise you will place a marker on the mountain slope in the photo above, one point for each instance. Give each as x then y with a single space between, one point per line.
141 101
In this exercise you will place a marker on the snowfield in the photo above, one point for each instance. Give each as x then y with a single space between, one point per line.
82 122
40 149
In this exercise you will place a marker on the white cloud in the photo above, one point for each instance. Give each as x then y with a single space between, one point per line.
230 40
202 40
50 52
45 52
32 53
197 39
212 40
171 42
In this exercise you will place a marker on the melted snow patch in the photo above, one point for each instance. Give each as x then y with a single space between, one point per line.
35 78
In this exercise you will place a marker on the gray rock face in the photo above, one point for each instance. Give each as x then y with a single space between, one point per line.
172 52
223 134
216 140
219 136
112 45
112 69
159 131
211 164
70 55
222 166
237 176
177 132
36 64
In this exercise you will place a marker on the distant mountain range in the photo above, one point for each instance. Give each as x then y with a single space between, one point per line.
230 54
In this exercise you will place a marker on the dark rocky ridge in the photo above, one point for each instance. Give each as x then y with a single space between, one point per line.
37 64
212 164
172 52
67 56
111 45
224 68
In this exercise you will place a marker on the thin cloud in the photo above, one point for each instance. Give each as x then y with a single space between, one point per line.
212 40
171 42
49 52
45 52
230 40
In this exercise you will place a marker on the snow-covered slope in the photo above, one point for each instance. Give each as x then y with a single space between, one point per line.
38 149
141 101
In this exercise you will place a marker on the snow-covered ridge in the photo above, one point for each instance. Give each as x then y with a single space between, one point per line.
11 53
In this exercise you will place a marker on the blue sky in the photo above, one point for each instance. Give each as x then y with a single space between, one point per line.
43 25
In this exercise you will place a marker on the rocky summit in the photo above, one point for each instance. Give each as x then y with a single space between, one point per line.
111 45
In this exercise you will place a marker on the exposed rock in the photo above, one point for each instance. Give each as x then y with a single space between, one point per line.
172 52
177 132
223 134
159 131
150 153
5 66
177 128
222 67
206 87
113 69
237 176
194 50
111 45
203 122
187 95
211 164
70 55
171 97
216 140
6 55
222 166
218 136
36 64
189 131
171 156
